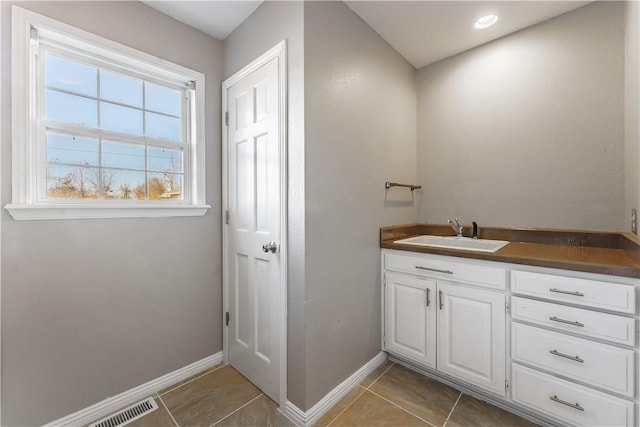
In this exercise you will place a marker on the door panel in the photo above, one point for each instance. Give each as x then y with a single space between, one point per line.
254 200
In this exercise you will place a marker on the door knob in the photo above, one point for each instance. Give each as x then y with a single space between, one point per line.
270 247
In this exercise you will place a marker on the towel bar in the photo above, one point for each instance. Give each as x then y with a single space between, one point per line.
388 185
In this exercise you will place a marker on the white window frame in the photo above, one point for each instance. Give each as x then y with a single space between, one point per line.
28 151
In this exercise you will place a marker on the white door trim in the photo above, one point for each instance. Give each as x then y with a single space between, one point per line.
1 117
278 51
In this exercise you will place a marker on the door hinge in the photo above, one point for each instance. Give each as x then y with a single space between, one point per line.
226 118
506 385
226 318
506 307
226 217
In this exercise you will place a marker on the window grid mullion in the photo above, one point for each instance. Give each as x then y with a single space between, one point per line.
120 104
115 136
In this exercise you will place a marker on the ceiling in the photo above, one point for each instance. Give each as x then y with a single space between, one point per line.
427 31
216 18
422 31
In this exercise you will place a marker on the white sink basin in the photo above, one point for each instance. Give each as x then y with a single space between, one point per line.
453 242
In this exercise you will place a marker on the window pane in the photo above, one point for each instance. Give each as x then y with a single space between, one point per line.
162 99
165 160
70 75
159 126
165 186
120 88
120 119
119 155
124 185
72 149
66 108
71 182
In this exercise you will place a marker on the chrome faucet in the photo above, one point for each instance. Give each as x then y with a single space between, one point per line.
456 227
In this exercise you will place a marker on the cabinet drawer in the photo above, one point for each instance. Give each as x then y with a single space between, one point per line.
491 277
597 364
589 323
564 400
588 293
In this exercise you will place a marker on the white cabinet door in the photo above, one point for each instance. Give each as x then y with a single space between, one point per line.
411 318
471 335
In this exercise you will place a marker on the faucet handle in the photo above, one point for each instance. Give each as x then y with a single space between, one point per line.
455 224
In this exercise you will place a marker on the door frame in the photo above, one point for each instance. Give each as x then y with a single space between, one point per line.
279 51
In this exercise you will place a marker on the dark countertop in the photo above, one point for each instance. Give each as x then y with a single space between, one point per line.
610 253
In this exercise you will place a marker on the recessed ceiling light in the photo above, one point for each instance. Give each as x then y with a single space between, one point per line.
485 22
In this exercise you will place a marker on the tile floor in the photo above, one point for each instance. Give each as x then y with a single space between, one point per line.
392 395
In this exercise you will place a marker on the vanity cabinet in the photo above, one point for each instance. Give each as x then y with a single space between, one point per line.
447 315
573 347
557 344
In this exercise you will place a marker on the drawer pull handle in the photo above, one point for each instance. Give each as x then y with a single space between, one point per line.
440 295
566 356
564 402
568 322
437 270
428 297
560 291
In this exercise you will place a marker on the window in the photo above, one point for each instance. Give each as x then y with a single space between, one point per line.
101 130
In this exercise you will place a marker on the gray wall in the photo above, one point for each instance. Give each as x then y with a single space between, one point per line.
360 131
271 23
340 71
91 308
632 109
528 130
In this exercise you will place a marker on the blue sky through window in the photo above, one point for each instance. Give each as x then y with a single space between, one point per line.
79 94
119 88
124 104
70 75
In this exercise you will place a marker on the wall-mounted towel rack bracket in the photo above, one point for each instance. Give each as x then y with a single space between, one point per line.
388 185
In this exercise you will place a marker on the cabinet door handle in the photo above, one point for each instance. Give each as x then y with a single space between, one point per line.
560 291
440 295
568 322
428 297
437 270
564 402
566 356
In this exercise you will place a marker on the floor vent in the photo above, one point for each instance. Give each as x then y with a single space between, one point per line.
128 415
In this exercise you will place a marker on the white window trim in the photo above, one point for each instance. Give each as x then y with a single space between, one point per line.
24 204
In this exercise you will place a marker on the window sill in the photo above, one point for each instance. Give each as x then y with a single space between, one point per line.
20 212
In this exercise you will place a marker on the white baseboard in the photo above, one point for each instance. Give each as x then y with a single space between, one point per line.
302 418
112 404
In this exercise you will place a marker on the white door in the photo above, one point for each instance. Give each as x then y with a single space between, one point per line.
471 335
411 317
254 232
